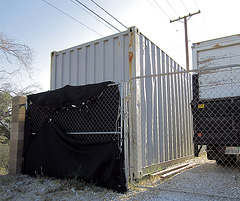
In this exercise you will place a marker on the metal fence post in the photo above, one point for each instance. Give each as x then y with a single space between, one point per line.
135 131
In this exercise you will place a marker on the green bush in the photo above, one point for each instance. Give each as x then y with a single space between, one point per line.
4 140
4 158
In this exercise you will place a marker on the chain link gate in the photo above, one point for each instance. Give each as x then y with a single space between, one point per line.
185 115
77 130
82 123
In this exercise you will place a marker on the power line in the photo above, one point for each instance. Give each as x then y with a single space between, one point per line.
72 18
204 20
185 6
196 4
189 12
97 15
164 13
172 7
153 6
92 15
162 10
109 14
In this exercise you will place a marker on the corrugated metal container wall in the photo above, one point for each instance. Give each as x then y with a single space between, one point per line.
160 111
162 121
101 60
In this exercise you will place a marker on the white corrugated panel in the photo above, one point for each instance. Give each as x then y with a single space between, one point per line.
162 117
97 61
214 53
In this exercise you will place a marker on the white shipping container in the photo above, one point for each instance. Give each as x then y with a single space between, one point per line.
159 133
110 58
118 57
213 53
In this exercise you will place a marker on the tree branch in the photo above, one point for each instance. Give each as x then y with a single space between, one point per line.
20 53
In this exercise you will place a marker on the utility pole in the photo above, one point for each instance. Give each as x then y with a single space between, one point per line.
186 33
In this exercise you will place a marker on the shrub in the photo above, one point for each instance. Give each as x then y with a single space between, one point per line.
4 158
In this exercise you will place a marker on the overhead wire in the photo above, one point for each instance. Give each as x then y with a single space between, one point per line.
204 21
92 15
97 15
72 18
190 16
109 14
184 6
161 9
165 14
157 10
172 7
196 4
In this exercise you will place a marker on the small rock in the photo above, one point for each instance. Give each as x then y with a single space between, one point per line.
19 183
8 191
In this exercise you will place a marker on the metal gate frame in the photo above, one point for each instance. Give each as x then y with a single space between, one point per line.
133 151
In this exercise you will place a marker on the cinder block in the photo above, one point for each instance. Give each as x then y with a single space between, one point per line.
18 109
17 127
13 149
16 147
15 156
18 100
18 118
12 167
17 136
20 147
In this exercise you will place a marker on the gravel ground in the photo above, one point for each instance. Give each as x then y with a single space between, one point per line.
206 181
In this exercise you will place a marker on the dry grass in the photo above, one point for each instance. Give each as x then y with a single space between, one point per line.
4 158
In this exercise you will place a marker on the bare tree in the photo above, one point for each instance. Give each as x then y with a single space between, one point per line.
15 53
21 58
13 90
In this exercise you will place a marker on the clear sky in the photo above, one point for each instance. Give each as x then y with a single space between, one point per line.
45 29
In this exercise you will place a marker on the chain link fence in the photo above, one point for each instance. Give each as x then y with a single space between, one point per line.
93 121
161 120
215 109
185 115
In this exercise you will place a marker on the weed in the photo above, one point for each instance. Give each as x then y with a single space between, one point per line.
236 178
75 182
40 176
4 158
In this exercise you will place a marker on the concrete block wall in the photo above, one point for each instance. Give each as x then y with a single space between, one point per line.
17 134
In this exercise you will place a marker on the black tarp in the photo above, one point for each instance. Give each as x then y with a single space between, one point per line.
54 153
68 95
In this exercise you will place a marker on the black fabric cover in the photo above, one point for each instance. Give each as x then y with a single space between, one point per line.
68 95
52 152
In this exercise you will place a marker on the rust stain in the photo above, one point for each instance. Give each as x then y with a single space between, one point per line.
130 54
130 57
217 45
206 61
131 40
